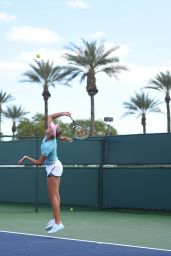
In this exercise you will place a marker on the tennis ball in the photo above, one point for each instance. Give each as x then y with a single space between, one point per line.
38 55
71 209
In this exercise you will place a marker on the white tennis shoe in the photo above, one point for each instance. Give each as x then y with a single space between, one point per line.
56 228
50 224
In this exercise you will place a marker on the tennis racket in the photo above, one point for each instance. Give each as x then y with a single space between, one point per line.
80 132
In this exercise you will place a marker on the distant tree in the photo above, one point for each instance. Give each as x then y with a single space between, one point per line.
162 82
140 105
46 74
86 62
4 98
101 128
35 127
15 113
25 128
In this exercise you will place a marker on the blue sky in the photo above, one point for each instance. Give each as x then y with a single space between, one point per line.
140 28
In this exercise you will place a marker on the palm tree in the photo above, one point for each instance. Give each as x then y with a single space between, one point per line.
46 74
15 113
85 62
4 98
140 104
162 82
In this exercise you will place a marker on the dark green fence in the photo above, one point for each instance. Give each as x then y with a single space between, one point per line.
129 171
138 149
135 187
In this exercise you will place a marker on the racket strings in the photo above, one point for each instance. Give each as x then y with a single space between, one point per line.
81 132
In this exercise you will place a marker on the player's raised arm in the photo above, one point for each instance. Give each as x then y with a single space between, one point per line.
56 115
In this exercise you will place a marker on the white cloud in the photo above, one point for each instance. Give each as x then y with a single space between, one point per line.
11 66
45 54
78 4
140 75
33 35
6 17
123 49
7 3
21 63
99 34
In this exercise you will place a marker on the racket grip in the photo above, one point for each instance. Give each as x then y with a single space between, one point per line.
72 118
69 141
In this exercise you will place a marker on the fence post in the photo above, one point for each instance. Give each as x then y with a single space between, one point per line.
37 180
100 177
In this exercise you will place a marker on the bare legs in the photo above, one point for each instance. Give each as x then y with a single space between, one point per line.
53 192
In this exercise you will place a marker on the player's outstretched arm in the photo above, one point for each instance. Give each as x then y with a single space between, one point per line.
40 161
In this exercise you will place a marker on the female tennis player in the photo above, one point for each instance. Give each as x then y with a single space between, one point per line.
53 167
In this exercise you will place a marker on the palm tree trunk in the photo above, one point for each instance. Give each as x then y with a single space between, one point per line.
143 122
93 125
167 100
46 114
92 91
14 128
46 95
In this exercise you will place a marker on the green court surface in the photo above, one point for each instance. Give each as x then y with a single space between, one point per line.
145 229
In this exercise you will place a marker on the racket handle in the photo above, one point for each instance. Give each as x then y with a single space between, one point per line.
72 118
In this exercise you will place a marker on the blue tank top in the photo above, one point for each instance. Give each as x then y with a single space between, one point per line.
49 150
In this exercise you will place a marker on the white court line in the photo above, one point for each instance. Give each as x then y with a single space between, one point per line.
87 241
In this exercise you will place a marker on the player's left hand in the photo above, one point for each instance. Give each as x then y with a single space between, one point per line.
22 159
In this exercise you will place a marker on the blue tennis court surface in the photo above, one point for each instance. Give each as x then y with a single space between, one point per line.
21 244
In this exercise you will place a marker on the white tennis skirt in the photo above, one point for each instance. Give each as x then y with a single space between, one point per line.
55 169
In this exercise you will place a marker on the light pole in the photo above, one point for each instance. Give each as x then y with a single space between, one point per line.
108 120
